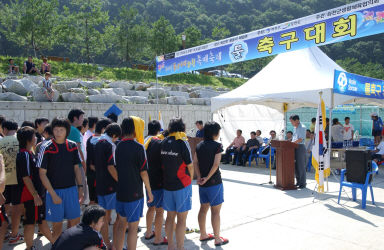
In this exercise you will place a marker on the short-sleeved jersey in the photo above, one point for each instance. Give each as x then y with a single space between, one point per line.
104 156
26 167
131 160
175 156
59 161
9 147
79 237
74 135
47 84
206 152
155 172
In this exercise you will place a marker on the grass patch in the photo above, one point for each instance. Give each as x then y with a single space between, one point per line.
96 72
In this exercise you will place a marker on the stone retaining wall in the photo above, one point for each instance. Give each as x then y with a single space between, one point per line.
21 111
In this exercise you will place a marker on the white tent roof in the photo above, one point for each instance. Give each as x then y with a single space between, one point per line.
295 78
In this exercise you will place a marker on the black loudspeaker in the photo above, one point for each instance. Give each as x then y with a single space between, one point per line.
358 164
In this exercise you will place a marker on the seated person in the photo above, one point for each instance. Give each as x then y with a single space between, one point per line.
47 85
379 152
30 67
289 136
13 68
245 151
200 129
259 138
45 66
272 133
85 235
234 147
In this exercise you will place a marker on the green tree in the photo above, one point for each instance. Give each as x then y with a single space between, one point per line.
219 33
193 36
82 29
30 23
163 37
131 36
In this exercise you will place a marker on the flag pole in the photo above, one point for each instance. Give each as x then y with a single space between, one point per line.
330 133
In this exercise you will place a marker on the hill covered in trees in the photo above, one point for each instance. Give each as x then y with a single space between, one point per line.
127 32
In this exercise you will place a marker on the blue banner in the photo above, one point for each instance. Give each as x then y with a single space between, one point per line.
356 85
360 19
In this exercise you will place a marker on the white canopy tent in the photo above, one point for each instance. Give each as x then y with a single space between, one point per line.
294 78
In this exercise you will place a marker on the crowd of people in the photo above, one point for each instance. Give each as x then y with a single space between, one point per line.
52 170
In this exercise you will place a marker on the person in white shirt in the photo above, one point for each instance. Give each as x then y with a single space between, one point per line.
259 138
348 130
379 152
337 131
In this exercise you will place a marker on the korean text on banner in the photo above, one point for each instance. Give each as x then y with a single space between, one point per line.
356 85
351 21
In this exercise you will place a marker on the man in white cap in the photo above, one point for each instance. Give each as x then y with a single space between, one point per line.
377 127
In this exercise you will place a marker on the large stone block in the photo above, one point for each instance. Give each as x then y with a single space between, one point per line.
92 85
141 86
121 84
108 91
136 99
71 84
156 92
179 93
20 87
143 93
104 98
74 97
60 87
177 100
39 96
9 96
77 90
196 101
93 92
119 91
34 79
130 92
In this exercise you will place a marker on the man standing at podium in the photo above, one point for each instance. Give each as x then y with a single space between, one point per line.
299 132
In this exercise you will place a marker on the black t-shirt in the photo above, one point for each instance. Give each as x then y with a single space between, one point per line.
105 184
206 152
29 66
175 156
130 161
155 172
252 143
59 161
79 237
26 166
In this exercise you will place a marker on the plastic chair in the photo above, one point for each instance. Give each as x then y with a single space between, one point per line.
363 187
237 158
266 156
254 154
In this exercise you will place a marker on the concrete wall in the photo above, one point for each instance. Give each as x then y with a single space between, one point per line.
21 111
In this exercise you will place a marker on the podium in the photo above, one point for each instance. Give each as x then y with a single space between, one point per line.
285 164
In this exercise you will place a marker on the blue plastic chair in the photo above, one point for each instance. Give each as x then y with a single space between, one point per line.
237 158
254 154
363 187
266 156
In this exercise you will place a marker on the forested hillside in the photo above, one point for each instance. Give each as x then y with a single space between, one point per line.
127 32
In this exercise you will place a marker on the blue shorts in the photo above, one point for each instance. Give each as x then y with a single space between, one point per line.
179 200
213 195
68 209
131 210
108 202
157 198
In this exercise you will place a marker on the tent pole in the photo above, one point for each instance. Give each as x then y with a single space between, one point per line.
330 132
361 122
157 95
